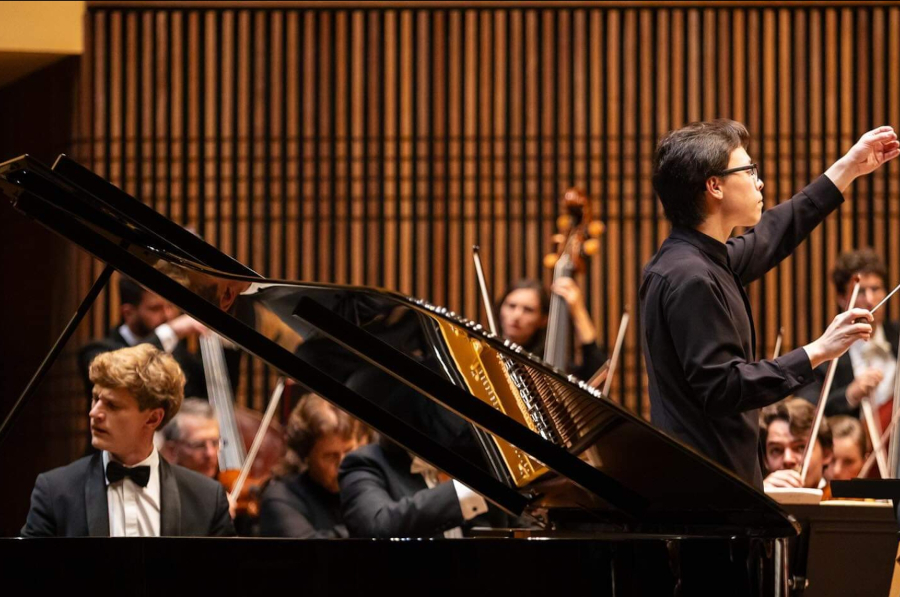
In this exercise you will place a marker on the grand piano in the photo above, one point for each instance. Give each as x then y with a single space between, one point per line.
600 500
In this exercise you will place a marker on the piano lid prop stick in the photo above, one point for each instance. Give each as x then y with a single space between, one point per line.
777 352
485 296
820 407
257 441
620 339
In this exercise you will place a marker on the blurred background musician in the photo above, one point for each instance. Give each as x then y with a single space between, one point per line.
148 318
302 500
191 439
523 313
850 448
787 425
866 370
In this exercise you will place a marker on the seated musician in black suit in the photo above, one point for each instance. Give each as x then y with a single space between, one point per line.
786 427
127 489
867 369
522 316
387 493
148 318
303 501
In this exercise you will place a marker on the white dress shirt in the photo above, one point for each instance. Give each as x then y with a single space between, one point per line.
167 336
875 354
134 510
470 503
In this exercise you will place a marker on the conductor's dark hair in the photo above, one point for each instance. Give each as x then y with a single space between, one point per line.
685 159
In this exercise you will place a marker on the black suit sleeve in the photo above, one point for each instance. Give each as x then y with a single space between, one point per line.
222 525
280 518
40 521
370 511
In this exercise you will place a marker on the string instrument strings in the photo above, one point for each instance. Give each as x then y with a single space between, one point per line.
576 239
820 406
218 386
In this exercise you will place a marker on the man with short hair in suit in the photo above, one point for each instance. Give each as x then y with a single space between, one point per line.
386 492
127 489
148 318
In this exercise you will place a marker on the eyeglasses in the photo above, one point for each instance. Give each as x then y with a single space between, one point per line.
754 171
202 444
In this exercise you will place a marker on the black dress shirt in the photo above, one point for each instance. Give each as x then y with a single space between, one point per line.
698 336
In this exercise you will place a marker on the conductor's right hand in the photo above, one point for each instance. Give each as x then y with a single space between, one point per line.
845 329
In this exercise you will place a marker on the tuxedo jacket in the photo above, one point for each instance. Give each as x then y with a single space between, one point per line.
70 501
296 506
381 498
843 377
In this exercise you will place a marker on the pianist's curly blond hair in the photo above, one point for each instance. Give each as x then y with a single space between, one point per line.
150 374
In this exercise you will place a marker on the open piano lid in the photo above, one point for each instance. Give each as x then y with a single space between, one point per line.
418 374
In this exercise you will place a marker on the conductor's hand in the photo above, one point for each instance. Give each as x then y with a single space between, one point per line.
843 332
783 478
871 151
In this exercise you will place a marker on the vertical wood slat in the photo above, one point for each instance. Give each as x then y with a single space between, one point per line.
375 146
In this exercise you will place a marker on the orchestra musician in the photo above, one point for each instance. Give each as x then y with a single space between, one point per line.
147 317
191 439
386 492
787 427
304 500
867 369
705 382
128 489
850 448
522 315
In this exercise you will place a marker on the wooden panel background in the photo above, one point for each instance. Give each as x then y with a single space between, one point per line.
375 145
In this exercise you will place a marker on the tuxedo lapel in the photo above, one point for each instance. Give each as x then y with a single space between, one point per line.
95 498
170 501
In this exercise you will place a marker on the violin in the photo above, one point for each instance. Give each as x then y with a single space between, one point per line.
252 443
576 240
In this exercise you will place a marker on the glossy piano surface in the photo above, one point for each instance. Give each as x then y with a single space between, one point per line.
524 435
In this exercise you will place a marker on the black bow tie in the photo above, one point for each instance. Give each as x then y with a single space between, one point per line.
116 472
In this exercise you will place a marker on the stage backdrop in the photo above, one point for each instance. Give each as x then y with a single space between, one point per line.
375 143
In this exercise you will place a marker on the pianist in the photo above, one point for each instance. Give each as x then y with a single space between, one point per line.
706 384
386 492
127 489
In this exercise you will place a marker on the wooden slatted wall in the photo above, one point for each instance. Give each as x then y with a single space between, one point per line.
375 145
